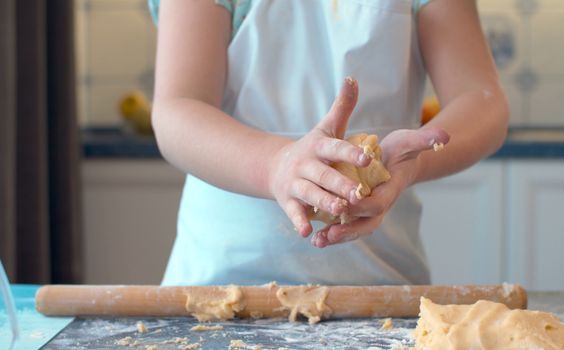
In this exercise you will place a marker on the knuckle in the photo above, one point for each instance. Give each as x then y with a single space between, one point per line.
302 190
325 176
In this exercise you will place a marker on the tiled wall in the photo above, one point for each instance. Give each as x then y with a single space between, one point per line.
527 40
116 42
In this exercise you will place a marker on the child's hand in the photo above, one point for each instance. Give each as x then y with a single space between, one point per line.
400 154
300 174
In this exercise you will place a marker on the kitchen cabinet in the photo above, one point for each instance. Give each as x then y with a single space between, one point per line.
462 225
535 204
499 221
130 209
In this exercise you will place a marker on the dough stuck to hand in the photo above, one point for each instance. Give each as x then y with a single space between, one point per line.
367 178
486 325
222 304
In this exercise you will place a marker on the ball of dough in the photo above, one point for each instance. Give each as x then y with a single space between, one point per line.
486 325
368 177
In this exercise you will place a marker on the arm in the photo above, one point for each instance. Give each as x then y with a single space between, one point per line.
197 137
463 73
475 115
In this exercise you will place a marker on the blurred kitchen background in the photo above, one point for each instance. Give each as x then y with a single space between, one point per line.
499 221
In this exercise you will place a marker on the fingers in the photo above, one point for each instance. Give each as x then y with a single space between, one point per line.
341 233
379 201
297 214
331 180
311 194
409 143
319 239
335 122
337 150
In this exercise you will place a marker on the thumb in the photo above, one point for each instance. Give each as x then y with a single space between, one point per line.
409 143
335 122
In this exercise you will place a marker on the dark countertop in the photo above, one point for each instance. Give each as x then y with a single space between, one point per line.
345 334
521 143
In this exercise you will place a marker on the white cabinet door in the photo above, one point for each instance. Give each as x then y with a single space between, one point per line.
535 242
130 209
462 225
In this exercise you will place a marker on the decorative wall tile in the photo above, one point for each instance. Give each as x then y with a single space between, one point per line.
506 38
518 110
547 103
116 43
547 42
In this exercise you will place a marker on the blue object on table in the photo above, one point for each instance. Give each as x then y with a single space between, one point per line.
35 329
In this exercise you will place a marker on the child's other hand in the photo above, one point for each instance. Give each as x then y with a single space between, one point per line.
400 154
300 174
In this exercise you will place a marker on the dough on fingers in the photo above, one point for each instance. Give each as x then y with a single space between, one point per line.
367 178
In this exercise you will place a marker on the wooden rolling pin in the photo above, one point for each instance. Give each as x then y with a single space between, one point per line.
344 301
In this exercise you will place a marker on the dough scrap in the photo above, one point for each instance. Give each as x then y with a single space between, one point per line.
367 178
486 325
237 344
215 306
203 328
124 341
141 327
177 340
387 324
308 301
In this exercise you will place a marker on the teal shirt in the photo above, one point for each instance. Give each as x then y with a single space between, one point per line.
240 8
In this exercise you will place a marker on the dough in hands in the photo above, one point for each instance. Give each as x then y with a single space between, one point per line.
368 177
486 325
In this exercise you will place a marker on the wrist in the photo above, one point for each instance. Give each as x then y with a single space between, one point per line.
265 172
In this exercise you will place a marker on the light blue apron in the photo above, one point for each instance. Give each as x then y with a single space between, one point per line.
286 64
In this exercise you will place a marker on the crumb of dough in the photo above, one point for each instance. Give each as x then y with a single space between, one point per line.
358 192
221 304
192 346
438 146
141 327
124 341
237 344
399 346
283 349
387 324
151 347
308 301
257 347
177 340
203 328
256 315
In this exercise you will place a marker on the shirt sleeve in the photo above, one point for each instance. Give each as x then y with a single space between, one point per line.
418 4
154 8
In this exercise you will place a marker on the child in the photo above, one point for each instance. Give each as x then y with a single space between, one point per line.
248 103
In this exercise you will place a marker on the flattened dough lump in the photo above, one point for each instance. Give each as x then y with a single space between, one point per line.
367 178
222 304
486 325
308 301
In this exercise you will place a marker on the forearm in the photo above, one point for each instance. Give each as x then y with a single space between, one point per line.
200 139
477 124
